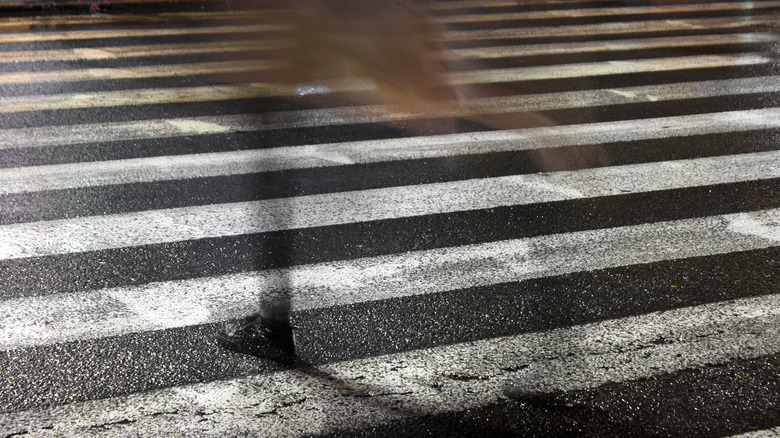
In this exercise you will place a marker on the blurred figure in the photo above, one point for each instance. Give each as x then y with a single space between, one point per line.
336 44
373 52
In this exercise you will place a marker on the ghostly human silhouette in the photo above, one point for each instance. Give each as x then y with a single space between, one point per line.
337 45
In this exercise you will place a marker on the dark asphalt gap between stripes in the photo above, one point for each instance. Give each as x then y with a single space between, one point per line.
124 198
245 253
563 116
454 65
601 19
99 368
717 400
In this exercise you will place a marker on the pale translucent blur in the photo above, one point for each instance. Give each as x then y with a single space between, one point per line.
389 53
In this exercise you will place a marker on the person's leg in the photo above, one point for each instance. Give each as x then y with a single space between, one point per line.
267 333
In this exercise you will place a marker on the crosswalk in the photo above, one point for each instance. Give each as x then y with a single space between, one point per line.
440 267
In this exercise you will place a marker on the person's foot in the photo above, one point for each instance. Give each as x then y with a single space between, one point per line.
259 337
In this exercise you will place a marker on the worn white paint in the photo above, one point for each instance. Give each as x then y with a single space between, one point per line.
95 233
117 52
607 12
563 49
477 53
69 35
618 28
368 392
83 315
167 168
766 433
143 72
524 105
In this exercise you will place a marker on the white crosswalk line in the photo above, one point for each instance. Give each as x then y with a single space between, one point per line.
766 433
119 52
366 392
96 233
618 28
591 47
127 33
609 12
167 168
29 23
73 333
145 72
17 138
71 316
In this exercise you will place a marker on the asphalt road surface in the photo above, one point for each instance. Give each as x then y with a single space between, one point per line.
612 274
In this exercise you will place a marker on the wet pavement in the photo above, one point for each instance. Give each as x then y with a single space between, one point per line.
584 243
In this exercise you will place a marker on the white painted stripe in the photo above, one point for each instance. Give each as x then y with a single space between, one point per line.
610 12
608 68
460 4
139 50
19 24
95 233
711 24
481 52
148 96
227 92
766 433
613 28
609 46
128 33
113 3
24 23
105 132
167 168
488 75
82 315
368 392
146 72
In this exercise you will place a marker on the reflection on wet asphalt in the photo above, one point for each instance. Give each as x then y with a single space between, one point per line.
487 217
